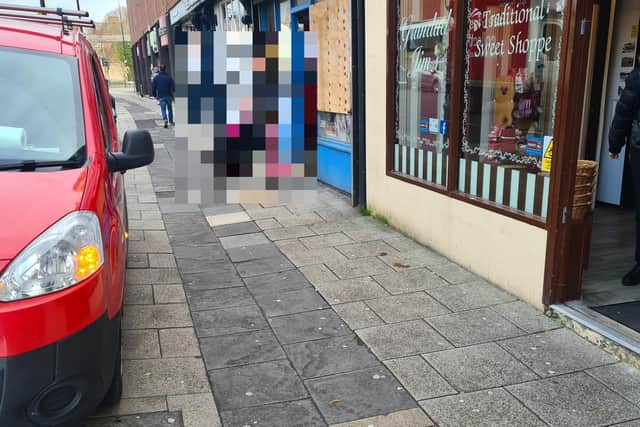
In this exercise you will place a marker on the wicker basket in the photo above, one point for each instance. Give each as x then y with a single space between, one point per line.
583 193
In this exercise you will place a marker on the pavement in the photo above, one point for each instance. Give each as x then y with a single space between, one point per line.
314 315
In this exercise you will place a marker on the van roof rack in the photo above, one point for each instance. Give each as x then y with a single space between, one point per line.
68 18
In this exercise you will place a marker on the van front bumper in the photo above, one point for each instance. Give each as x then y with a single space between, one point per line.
62 383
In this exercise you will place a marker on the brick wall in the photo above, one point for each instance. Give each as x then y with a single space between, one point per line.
144 13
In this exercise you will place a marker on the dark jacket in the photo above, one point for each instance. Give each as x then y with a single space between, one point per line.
627 111
163 86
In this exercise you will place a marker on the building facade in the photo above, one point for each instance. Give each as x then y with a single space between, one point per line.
473 147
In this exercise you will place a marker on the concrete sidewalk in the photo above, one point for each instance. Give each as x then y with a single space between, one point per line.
315 315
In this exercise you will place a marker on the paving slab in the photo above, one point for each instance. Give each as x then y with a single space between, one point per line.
318 273
359 267
267 224
364 234
236 229
420 379
227 218
330 356
556 352
247 253
198 410
153 276
138 405
470 295
407 418
307 218
301 256
146 246
326 240
361 394
301 413
454 274
416 258
280 304
398 308
200 300
226 321
137 260
140 344
400 282
258 384
403 243
622 378
474 327
154 377
240 349
162 261
275 283
403 339
194 265
574 400
228 278
136 235
366 249
277 212
138 294
312 325
357 315
284 233
526 317
242 240
167 294
479 367
200 252
263 266
349 290
179 342
487 408
156 316
172 419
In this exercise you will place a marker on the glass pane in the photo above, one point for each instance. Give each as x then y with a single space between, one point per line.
33 126
335 126
424 32
511 84
285 15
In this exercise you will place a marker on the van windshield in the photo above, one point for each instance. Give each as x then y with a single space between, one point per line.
42 116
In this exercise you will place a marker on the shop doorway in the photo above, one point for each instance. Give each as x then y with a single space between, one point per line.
605 241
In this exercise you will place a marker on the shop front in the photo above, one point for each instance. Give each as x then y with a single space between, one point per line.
473 147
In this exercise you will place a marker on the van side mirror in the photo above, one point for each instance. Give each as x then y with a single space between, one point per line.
137 151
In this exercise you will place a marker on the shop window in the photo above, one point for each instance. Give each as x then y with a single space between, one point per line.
334 126
423 34
510 88
285 15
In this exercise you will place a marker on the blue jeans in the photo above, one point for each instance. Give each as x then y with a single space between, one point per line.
165 104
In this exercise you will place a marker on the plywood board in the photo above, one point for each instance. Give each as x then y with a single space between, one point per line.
330 19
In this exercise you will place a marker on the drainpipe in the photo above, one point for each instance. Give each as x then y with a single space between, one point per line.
358 151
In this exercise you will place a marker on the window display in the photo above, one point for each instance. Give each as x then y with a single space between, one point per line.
510 89
336 127
423 87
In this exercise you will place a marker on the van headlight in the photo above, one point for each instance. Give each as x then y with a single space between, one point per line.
65 254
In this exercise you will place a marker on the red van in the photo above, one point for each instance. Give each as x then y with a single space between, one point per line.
63 224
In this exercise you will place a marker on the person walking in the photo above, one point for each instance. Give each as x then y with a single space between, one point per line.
625 130
163 89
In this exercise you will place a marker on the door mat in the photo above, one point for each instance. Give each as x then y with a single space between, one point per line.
627 313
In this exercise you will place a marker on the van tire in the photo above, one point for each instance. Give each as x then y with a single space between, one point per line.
115 389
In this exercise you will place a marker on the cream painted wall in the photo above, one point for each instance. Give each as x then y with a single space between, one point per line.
508 253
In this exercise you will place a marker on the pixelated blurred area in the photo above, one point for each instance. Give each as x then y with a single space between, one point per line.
246 117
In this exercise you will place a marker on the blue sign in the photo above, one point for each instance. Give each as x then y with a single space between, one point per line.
443 127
